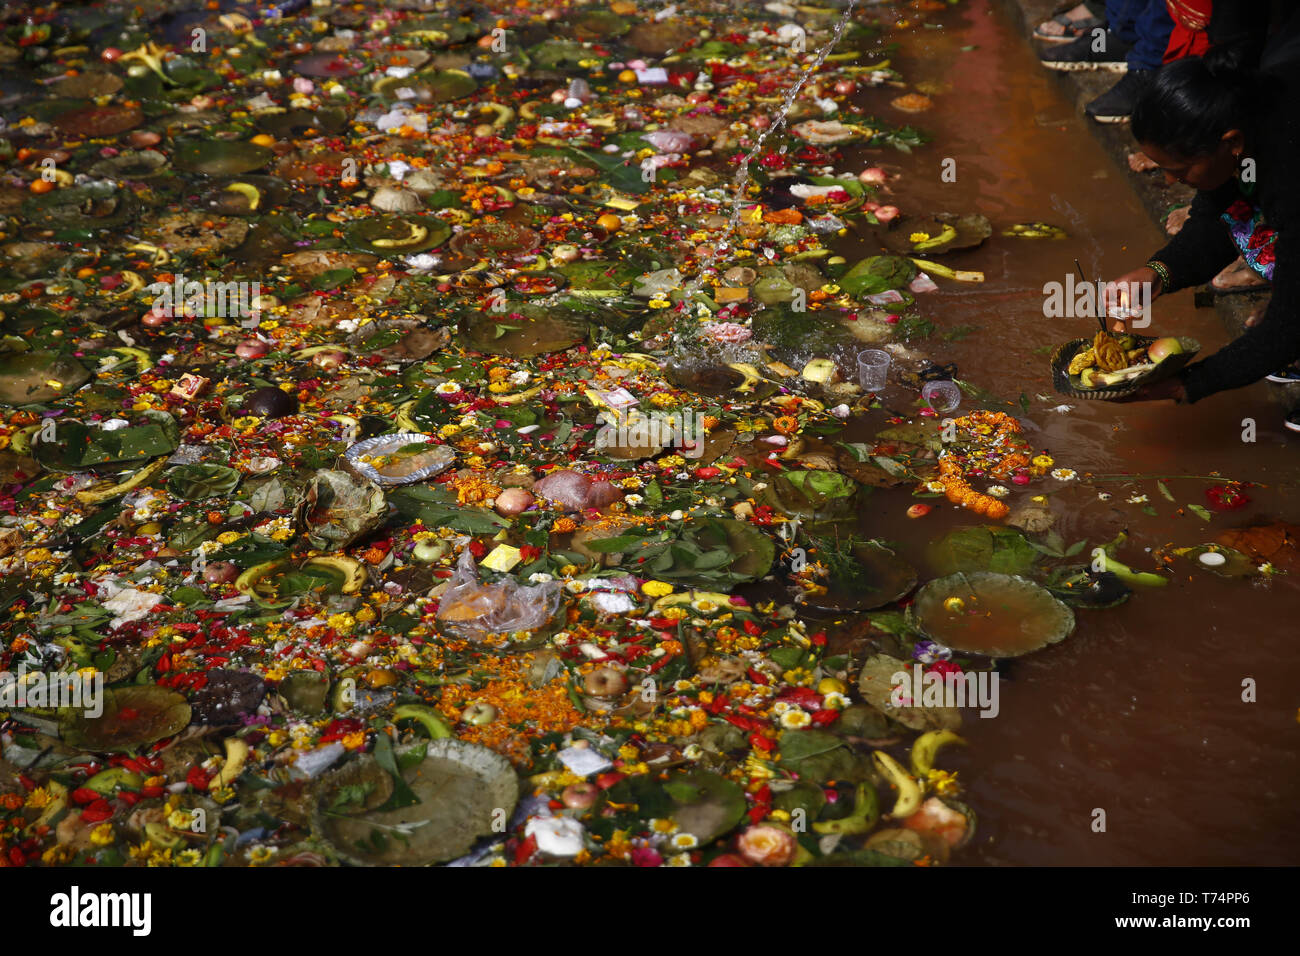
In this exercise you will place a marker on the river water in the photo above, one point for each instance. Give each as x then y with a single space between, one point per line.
1140 713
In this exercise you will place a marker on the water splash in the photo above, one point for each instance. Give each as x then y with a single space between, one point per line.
778 119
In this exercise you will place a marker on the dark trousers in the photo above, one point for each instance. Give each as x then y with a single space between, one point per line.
1145 26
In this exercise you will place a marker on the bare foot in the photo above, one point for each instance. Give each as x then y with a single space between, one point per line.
1237 276
1140 162
1174 221
1256 314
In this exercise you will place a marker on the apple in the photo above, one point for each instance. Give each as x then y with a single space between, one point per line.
579 796
1161 349
873 176
605 682
513 501
886 214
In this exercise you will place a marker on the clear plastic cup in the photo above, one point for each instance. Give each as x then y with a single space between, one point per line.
943 395
873 367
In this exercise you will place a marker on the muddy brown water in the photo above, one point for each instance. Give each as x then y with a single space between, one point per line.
1139 713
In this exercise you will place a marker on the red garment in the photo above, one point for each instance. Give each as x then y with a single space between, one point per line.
1189 37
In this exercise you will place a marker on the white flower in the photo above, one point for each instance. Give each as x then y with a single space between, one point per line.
693 752
517 378
835 701
633 500
678 859
1063 474
999 491
794 719
1137 499
447 388
558 836
1103 496
539 577
782 707
684 841
130 604
422 262
934 487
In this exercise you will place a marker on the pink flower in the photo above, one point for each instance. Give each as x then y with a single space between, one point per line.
646 856
767 845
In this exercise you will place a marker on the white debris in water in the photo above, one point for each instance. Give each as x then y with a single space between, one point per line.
1062 409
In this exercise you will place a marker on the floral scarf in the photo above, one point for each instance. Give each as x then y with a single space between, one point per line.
1252 237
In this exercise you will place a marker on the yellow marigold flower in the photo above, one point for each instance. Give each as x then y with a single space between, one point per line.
1043 461
38 798
103 835
657 588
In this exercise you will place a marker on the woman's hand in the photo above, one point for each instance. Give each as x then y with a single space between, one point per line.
1119 294
1170 389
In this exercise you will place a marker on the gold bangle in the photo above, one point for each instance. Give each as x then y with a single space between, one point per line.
1162 273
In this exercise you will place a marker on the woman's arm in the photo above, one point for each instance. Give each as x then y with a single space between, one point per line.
1268 346
1203 247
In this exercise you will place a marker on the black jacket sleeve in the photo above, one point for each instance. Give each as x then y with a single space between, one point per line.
1269 346
1203 247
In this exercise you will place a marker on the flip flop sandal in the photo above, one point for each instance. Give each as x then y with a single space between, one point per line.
934 373
1072 29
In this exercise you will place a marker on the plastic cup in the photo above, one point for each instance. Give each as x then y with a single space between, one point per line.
942 395
873 367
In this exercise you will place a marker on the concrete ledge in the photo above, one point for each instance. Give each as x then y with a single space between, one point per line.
1083 86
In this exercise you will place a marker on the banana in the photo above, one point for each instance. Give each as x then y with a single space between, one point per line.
132 282
160 836
752 376
1127 574
517 397
246 583
417 234
865 815
236 756
249 192
96 495
403 418
160 256
686 597
943 272
353 571
426 717
141 358
20 442
909 793
927 746
52 809
504 114
946 235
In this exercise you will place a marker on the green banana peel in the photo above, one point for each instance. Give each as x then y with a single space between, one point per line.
426 717
865 815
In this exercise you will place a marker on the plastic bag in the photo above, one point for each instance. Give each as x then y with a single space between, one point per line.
471 607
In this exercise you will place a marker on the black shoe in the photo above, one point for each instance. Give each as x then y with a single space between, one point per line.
1080 55
1287 376
1292 421
1116 104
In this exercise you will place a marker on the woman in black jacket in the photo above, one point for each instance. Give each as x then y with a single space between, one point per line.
1234 135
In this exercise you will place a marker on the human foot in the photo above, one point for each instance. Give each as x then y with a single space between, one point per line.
1237 277
1174 221
1140 162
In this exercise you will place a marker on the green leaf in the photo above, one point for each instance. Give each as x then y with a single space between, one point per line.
1165 491
877 274
1200 511
403 795
197 482
437 507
